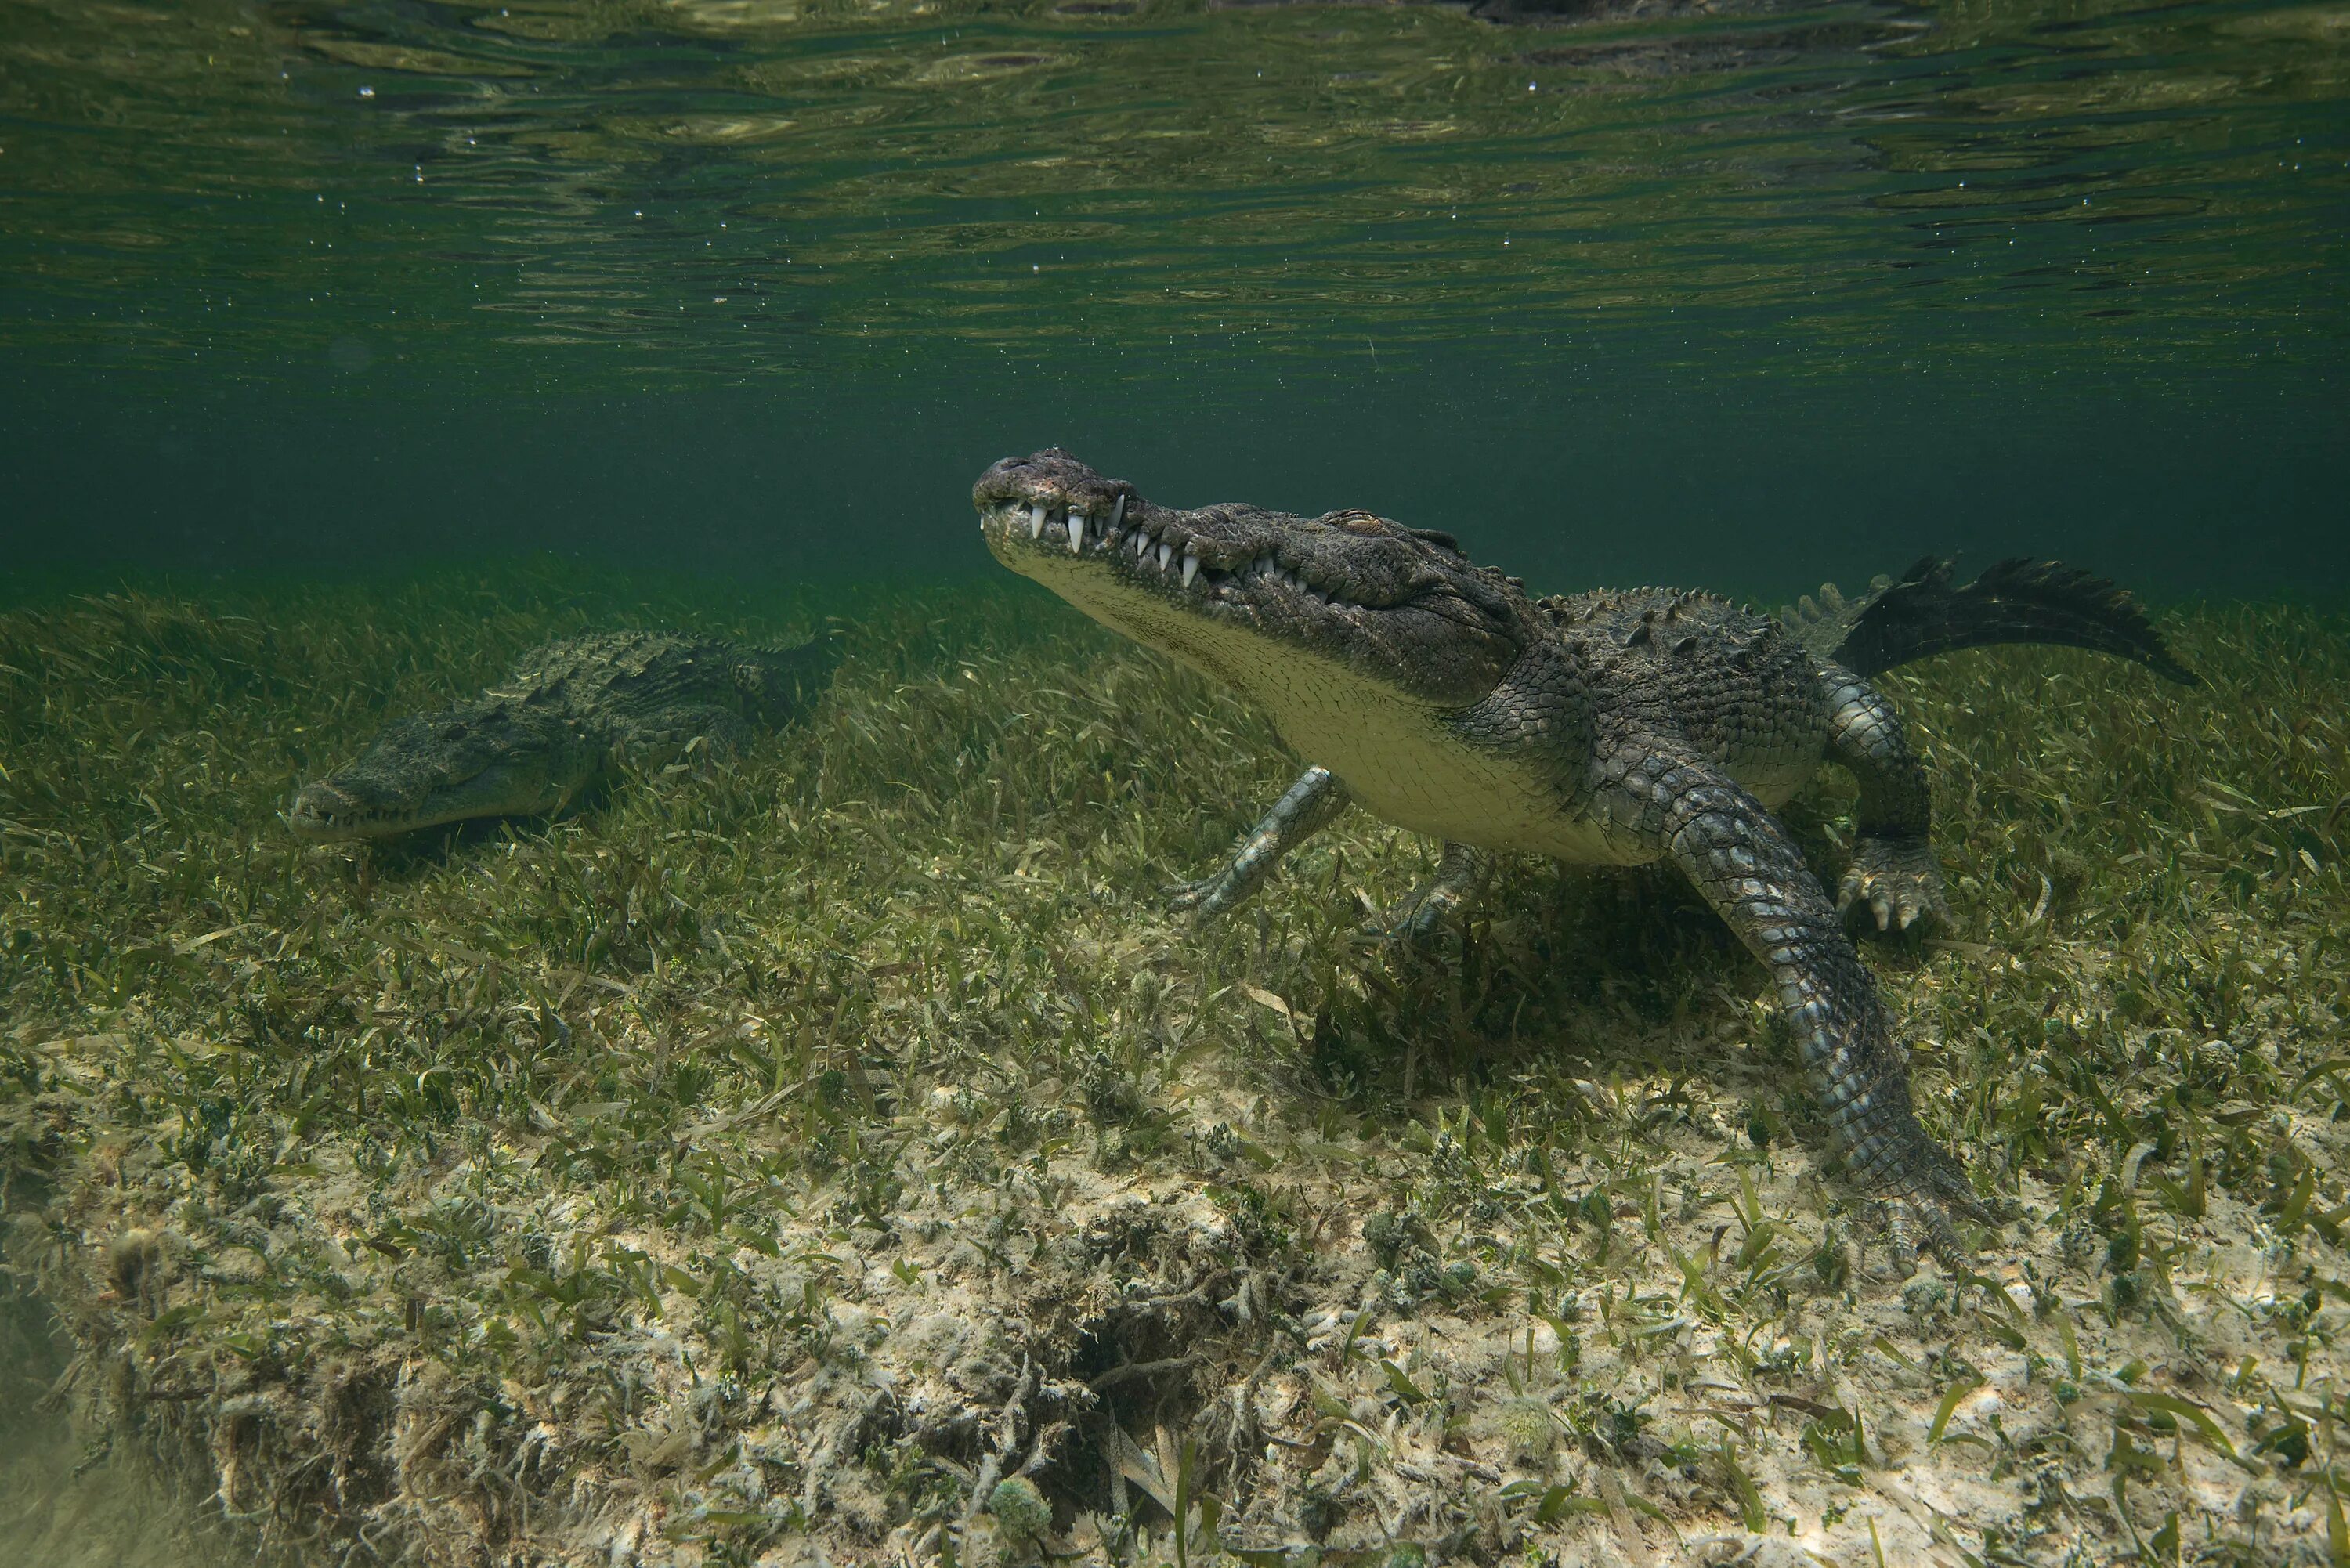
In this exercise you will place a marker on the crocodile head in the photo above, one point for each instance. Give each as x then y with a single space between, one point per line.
1309 617
492 758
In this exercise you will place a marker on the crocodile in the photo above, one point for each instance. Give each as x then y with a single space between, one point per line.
569 716
1612 727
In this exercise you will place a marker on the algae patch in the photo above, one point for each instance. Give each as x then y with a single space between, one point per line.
839 1149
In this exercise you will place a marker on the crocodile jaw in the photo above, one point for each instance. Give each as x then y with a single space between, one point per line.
342 810
482 760
1261 600
1141 582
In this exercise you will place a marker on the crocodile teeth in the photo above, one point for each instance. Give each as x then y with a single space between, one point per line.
1166 554
1036 521
1118 513
1191 568
1141 545
1077 532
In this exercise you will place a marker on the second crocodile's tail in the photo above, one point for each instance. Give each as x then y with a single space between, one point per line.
1923 612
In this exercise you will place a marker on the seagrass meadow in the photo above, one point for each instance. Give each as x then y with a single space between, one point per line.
836 1153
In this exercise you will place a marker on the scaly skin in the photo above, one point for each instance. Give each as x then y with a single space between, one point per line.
570 715
1602 728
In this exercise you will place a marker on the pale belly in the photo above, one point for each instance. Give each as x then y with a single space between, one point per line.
1400 763
1405 767
1476 799
1396 758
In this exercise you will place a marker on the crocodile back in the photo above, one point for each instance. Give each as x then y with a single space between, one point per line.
1730 681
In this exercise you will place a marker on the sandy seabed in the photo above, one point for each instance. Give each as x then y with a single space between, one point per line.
837 1153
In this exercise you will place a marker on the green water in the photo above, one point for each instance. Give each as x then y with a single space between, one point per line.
1747 295
326 322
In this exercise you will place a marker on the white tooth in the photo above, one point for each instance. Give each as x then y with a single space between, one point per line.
1118 513
1141 545
1077 532
1191 569
1036 521
1166 554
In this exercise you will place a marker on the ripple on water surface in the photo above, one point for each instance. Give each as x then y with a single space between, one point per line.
794 188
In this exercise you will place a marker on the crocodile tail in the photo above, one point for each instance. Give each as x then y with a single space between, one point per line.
783 681
1923 613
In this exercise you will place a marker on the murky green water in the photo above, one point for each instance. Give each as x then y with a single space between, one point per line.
1746 295
312 283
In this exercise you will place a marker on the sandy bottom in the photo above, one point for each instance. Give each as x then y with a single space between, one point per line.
839 1152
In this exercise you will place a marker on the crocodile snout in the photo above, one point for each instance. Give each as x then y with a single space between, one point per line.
1050 478
322 814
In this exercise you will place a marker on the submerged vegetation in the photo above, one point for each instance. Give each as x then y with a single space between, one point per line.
839 1148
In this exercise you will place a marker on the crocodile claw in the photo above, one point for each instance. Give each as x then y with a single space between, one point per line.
1208 896
1912 1225
1924 1217
1896 881
1418 922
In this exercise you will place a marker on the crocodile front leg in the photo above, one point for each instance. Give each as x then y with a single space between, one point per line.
1750 871
1309 805
1893 876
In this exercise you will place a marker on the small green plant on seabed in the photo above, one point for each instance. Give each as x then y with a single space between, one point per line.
839 1146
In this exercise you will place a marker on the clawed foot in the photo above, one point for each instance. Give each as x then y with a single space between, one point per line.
1422 920
1208 896
1925 1217
1897 881
1460 880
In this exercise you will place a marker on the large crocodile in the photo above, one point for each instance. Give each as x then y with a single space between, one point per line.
566 719
1603 727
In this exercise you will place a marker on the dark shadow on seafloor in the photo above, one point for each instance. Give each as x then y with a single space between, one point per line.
65 1500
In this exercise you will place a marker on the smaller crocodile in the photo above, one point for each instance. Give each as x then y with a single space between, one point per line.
569 716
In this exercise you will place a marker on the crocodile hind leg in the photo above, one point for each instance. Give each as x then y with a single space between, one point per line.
1893 876
1460 877
1750 871
1309 805
684 732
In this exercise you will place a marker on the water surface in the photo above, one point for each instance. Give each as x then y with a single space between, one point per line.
1605 286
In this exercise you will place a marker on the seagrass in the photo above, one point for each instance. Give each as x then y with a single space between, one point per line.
840 1148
